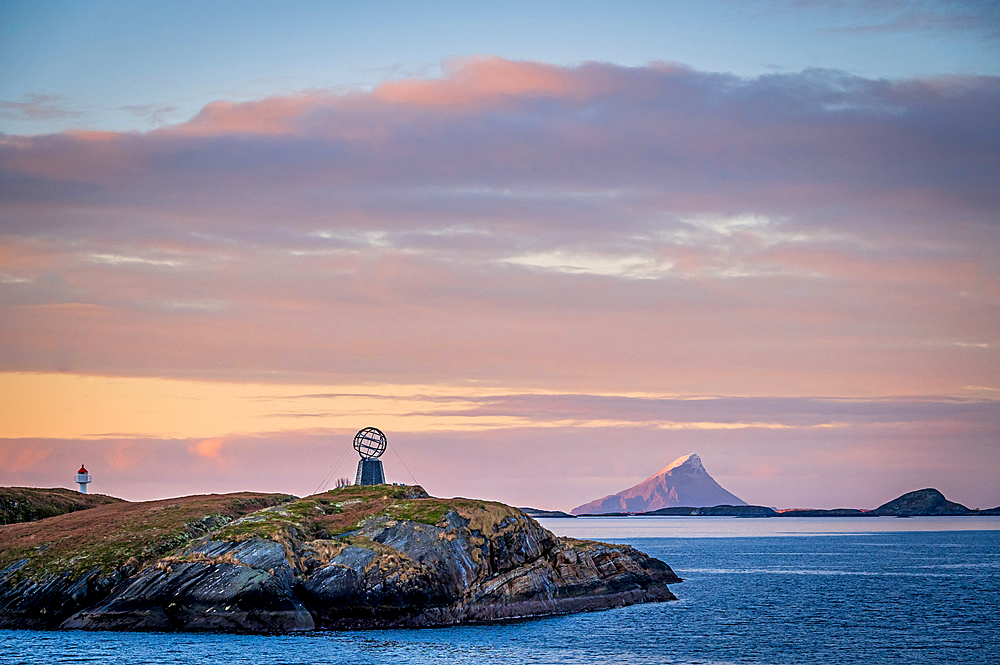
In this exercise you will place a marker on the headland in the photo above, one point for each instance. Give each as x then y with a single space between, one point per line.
354 557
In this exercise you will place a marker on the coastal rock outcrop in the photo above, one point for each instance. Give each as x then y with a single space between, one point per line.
356 557
232 586
53 568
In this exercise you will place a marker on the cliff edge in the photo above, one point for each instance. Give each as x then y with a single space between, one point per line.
356 557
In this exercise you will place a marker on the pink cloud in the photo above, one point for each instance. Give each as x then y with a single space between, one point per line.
29 458
591 229
688 140
273 116
479 82
208 447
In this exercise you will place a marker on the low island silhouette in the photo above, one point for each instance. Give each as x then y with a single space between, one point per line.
685 488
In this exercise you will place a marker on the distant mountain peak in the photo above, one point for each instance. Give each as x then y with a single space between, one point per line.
683 482
691 462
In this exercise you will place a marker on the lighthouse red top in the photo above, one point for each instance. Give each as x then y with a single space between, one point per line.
83 469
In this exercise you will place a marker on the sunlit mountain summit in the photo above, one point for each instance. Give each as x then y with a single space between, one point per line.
683 482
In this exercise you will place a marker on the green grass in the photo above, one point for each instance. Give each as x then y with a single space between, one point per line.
427 511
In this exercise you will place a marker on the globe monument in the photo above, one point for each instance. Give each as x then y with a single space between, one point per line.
370 444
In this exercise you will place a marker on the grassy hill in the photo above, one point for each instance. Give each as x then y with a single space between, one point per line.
110 535
29 504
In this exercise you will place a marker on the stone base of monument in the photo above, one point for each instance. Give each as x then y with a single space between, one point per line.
370 472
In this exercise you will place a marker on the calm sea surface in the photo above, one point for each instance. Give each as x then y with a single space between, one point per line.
793 590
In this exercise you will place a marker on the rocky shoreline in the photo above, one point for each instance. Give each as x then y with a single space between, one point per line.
357 557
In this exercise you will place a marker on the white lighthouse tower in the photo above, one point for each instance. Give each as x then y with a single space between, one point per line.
82 477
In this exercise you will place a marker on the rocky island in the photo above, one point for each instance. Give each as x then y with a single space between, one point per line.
355 557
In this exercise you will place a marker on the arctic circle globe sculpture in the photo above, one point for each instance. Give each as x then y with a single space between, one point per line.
370 443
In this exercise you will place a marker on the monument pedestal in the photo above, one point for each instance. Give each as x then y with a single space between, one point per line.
370 472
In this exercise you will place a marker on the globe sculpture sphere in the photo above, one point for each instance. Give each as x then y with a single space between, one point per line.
369 442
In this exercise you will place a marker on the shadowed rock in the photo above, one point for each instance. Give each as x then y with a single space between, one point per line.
231 586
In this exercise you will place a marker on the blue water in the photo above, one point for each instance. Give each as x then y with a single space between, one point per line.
756 591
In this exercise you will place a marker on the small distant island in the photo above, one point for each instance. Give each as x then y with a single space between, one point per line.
536 513
353 557
920 503
685 488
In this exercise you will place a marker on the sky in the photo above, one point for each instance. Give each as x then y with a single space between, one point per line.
547 247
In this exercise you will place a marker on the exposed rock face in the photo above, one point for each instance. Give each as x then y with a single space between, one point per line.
684 482
349 558
46 600
920 503
53 568
237 587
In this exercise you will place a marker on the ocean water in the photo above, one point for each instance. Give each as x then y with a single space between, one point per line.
802 590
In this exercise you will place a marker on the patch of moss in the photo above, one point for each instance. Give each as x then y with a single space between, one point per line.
271 527
311 507
427 511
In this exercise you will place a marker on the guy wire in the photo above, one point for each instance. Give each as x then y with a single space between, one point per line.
329 476
402 462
